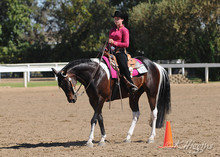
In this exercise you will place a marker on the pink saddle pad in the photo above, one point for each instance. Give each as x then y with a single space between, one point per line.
113 71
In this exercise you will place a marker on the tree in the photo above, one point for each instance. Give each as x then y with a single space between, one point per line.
169 27
98 27
19 31
81 28
174 29
126 5
15 24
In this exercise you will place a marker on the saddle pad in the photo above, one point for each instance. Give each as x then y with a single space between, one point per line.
135 72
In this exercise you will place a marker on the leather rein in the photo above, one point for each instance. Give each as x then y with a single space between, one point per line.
93 74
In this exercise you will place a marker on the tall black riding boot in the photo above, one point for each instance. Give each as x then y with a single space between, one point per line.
123 66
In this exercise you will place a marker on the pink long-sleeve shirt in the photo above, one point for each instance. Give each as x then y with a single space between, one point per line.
120 36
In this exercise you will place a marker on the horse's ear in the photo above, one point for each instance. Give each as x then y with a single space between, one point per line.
54 71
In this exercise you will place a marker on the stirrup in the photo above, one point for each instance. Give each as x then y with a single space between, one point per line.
130 86
133 89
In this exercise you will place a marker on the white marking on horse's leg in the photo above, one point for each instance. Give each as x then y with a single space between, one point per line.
153 131
102 141
91 136
133 124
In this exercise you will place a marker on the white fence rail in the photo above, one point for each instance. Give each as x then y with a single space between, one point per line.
46 67
192 65
31 67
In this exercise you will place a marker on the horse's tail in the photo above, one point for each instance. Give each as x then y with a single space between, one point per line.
163 96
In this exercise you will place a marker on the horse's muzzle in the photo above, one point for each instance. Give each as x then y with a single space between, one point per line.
72 100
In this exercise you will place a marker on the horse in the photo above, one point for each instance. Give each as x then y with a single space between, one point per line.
95 76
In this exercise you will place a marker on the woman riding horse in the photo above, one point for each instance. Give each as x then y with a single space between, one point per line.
119 40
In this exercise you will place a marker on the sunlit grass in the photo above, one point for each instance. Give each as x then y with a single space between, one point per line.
199 80
29 84
195 79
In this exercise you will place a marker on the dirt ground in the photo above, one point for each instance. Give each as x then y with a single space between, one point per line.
40 122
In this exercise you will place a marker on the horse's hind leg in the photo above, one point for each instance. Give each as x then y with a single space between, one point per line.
133 124
136 113
154 111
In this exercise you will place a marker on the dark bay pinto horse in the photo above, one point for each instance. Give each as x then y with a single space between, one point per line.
99 87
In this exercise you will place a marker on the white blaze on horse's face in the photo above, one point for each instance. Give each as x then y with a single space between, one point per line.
104 66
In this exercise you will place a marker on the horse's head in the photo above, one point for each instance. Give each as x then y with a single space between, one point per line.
67 83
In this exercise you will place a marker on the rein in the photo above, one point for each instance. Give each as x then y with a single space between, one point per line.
93 74
118 81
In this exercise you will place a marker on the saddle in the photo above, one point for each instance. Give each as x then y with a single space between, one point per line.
132 62
136 67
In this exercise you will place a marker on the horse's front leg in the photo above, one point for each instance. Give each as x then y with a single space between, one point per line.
91 135
101 124
93 124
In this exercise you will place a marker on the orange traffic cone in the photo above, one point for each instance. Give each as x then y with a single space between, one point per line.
168 140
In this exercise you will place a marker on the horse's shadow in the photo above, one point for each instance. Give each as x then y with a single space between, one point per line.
53 144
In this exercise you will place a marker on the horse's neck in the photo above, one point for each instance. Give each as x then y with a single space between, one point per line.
83 72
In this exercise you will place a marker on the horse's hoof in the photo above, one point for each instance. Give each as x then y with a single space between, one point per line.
101 144
127 141
89 144
150 141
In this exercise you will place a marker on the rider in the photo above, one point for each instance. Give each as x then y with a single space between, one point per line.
119 41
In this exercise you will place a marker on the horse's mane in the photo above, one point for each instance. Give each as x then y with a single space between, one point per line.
74 63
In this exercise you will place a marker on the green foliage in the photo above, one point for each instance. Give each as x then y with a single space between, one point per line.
125 5
82 28
30 84
176 29
98 26
16 30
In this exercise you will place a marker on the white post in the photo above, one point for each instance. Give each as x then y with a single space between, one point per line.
183 69
28 74
56 65
25 79
170 71
206 74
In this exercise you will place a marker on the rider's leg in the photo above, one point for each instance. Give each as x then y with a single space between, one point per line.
123 66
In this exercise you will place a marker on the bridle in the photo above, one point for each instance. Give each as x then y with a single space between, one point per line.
93 75
75 92
71 83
